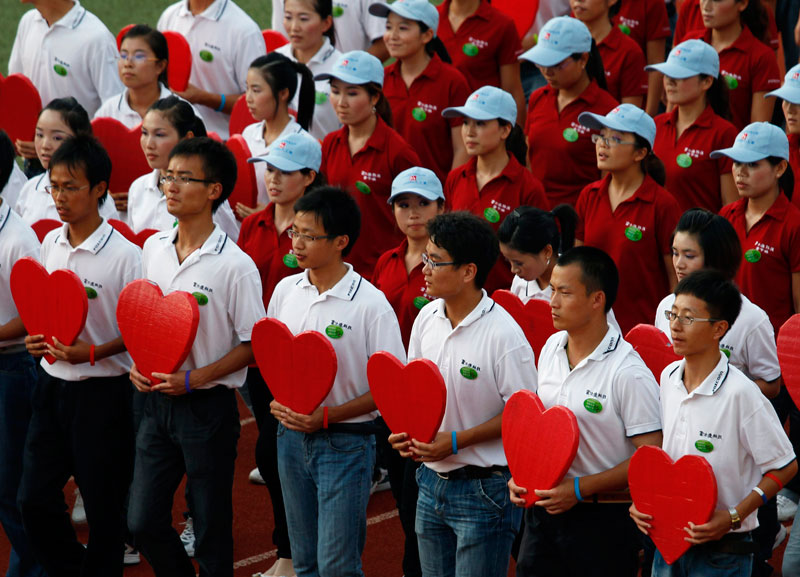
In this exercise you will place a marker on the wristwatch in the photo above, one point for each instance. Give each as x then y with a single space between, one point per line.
736 520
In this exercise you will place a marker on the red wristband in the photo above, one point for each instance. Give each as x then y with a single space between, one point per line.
91 355
324 417
774 478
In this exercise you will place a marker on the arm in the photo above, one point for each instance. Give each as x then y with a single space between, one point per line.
727 188
761 108
511 83
460 155
378 50
635 100
655 54
769 389
79 352
796 291
442 446
12 330
197 95
313 422
174 384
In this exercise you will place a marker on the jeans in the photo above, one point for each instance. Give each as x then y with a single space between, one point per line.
195 434
17 381
791 556
465 527
326 477
700 561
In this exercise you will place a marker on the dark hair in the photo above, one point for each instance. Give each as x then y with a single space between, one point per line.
84 152
181 115
755 17
718 97
219 164
280 73
325 8
319 179
382 108
786 181
598 271
614 10
336 209
515 143
72 113
721 296
157 43
717 238
435 46
7 158
651 165
594 66
529 229
468 239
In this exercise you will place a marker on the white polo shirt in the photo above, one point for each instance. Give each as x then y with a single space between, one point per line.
325 120
105 263
254 137
484 360
16 181
227 286
224 41
749 343
612 394
118 108
356 319
730 423
17 240
35 203
76 56
147 208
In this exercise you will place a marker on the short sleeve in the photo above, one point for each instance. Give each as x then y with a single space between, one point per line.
374 26
510 46
761 353
793 248
459 92
251 46
15 60
581 207
277 17
764 71
636 395
633 79
105 75
246 306
404 158
534 194
762 436
657 20
383 334
516 370
726 138
668 214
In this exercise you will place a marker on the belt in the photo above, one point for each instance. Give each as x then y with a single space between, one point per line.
472 472
733 543
610 497
13 349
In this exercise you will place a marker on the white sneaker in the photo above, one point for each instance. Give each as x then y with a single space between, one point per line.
786 508
132 556
256 478
780 537
78 512
381 484
187 536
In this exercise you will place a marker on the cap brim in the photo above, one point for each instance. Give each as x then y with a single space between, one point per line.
738 155
419 192
278 162
672 70
598 122
379 9
785 93
344 77
544 56
473 113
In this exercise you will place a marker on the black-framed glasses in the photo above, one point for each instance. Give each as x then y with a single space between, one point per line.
182 179
56 189
686 320
294 234
426 261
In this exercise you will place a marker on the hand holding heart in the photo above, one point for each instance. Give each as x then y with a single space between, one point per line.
559 499
297 421
75 355
173 384
440 448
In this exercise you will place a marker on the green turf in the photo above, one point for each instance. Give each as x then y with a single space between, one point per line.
116 14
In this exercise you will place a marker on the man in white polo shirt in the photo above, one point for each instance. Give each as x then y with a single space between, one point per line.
465 519
82 423
587 367
224 41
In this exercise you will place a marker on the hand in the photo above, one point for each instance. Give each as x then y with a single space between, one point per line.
174 384
440 448
243 211
401 443
559 499
75 355
26 149
297 421
36 345
713 530
641 519
120 200
192 93
515 492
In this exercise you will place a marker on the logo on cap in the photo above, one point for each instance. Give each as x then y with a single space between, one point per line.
344 62
546 36
795 75
282 144
677 52
615 111
412 178
743 136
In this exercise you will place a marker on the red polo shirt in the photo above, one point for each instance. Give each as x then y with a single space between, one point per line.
417 111
644 20
483 43
690 20
513 187
637 235
560 149
693 177
771 255
368 176
624 64
404 291
794 162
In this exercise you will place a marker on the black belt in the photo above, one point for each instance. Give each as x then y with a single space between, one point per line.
472 472
362 428
732 543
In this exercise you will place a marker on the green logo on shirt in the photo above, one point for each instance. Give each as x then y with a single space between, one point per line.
290 260
491 215
320 97
470 49
420 302
625 29
419 114
570 134
337 11
206 56
363 187
633 233
704 446
90 292
684 160
469 373
731 81
752 255
334 331
726 352
60 70
593 405
201 299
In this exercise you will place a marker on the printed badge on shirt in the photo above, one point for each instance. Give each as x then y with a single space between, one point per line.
594 401
759 250
209 52
469 370
706 440
91 288
336 329
202 293
634 232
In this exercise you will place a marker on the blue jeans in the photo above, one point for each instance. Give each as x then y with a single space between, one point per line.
325 479
791 557
701 561
17 381
465 527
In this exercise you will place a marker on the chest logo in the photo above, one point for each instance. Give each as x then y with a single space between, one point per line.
290 260
334 331
201 298
570 134
684 160
419 114
704 446
470 49
60 70
320 97
90 293
206 56
593 405
753 255
633 234
491 215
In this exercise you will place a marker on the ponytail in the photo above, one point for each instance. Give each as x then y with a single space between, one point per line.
435 46
306 99
756 19
319 180
280 73
530 230
786 181
717 97
651 165
515 143
594 66
180 115
382 107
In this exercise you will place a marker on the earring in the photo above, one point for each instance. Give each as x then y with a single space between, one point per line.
374 110
548 262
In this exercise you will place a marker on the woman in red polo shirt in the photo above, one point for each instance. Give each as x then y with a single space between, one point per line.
560 151
789 94
628 214
366 154
696 125
422 83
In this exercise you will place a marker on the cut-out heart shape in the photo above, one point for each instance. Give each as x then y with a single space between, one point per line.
299 370
127 232
522 13
789 356
158 330
273 39
53 305
214 136
540 444
240 117
122 144
534 317
411 398
654 348
245 190
20 105
674 493
43 226
180 57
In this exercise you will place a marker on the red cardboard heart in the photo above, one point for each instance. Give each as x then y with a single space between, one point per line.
273 39
240 117
122 33
245 190
654 348
122 144
43 226
299 370
539 445
127 232
534 317
158 330
789 356
180 58
53 305
674 493
411 398
20 104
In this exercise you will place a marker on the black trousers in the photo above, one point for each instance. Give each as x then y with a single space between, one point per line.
81 429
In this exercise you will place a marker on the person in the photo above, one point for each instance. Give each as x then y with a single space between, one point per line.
789 94
591 370
560 150
326 459
81 423
422 83
167 122
690 20
12 179
366 154
484 359
272 82
224 41
696 125
628 214
190 423
747 448
494 182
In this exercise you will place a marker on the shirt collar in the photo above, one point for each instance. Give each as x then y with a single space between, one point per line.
590 95
213 244
705 119
376 141
5 211
345 289
71 19
124 106
741 44
645 193
213 12
607 346
325 52
613 39
511 172
484 307
94 243
710 385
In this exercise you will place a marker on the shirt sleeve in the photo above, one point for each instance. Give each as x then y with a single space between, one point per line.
762 435
793 248
580 208
534 194
383 334
251 46
761 353
727 137
277 16
764 71
510 45
516 370
246 306
669 213
226 221
459 92
15 60
373 26
636 395
414 342
104 69
403 159
633 80
657 20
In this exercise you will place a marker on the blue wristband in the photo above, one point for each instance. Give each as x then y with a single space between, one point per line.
221 103
455 444
186 382
576 482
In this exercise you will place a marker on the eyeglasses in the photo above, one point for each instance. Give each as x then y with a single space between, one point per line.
609 141
426 261
293 234
181 179
137 57
556 67
685 320
56 189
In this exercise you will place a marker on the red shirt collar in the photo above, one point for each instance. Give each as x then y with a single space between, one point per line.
512 171
377 141
589 96
705 120
484 12
645 193
431 71
777 211
741 44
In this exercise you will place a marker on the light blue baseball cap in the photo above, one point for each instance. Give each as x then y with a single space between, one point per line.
790 91
559 39
295 152
419 10
624 118
417 180
355 67
486 103
755 142
689 59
